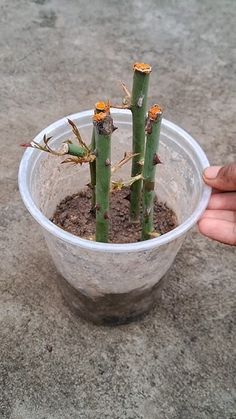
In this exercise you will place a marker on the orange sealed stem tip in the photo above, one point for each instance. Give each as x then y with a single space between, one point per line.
154 112
100 106
99 117
142 68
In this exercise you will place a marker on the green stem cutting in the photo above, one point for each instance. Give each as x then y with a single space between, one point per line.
153 127
138 109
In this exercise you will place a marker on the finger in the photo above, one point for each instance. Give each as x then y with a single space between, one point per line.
223 201
220 230
220 215
222 178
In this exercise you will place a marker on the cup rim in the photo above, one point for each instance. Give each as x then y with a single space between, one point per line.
48 225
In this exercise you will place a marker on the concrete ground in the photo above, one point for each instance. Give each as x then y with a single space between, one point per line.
59 57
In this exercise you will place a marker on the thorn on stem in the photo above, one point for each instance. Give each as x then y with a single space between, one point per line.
106 215
156 159
127 197
107 162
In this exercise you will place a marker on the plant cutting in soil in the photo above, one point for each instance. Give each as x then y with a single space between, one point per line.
110 210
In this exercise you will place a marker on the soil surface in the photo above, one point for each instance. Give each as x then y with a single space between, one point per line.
73 215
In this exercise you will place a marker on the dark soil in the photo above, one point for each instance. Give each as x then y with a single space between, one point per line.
112 309
73 215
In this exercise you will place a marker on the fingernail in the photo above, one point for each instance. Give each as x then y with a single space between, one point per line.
211 172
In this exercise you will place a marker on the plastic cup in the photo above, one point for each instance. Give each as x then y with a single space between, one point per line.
105 282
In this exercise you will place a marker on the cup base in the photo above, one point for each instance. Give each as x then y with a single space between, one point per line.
111 309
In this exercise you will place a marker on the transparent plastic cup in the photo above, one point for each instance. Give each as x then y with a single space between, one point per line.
106 282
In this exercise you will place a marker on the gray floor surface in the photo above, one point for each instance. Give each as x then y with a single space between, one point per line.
59 57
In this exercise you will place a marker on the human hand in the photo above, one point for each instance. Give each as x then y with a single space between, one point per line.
219 220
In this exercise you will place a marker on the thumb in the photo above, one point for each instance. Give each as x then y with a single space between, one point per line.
221 178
